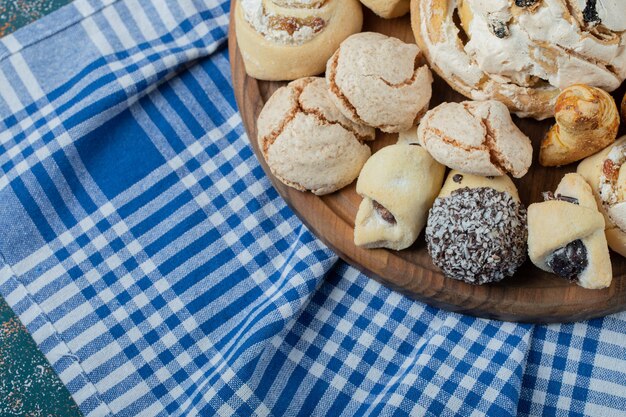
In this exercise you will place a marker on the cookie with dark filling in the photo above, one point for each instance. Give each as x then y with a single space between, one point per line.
566 235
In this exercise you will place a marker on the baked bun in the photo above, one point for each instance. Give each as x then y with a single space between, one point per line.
523 52
398 184
290 39
388 8
376 80
566 235
624 108
476 229
476 137
587 121
605 172
307 143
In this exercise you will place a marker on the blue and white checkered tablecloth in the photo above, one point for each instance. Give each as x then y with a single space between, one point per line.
161 274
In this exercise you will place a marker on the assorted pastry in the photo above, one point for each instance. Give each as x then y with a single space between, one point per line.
523 52
398 184
606 174
566 235
476 137
476 229
587 121
291 39
536 58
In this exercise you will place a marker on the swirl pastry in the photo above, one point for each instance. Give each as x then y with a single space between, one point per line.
587 121
624 108
606 173
566 235
376 80
476 138
307 143
476 229
290 39
523 52
388 8
398 184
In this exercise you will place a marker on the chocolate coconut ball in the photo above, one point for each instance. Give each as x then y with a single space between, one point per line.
477 235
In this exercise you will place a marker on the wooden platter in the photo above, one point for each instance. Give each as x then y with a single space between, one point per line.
530 296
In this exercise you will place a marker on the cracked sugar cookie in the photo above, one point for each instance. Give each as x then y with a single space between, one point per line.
476 138
376 80
306 141
523 52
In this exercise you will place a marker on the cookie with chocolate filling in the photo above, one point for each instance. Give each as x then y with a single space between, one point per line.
566 235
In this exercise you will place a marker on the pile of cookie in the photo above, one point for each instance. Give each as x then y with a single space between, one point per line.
314 132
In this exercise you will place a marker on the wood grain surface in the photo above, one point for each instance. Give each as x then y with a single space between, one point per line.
530 296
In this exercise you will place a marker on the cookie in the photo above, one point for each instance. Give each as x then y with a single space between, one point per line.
587 120
306 141
388 9
476 138
398 184
375 80
476 230
290 39
566 235
523 52
605 172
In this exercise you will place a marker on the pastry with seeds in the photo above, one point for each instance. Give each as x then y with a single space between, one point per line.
306 141
376 80
476 230
398 184
605 172
388 9
290 39
477 138
587 120
523 52
566 235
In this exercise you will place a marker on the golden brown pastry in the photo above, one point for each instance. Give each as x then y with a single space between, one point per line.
388 8
523 52
587 121
290 39
624 108
398 184
566 235
606 174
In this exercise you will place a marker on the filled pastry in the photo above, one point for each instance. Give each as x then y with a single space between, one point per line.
290 39
476 138
398 185
587 121
606 174
388 8
566 235
307 143
376 80
476 229
523 52
624 108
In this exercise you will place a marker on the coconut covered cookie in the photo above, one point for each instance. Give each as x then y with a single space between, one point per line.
476 230
306 141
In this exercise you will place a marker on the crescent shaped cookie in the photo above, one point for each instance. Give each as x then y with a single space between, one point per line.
605 172
307 143
523 52
398 185
388 9
587 120
290 39
566 235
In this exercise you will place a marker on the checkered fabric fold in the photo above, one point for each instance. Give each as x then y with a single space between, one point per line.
161 274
